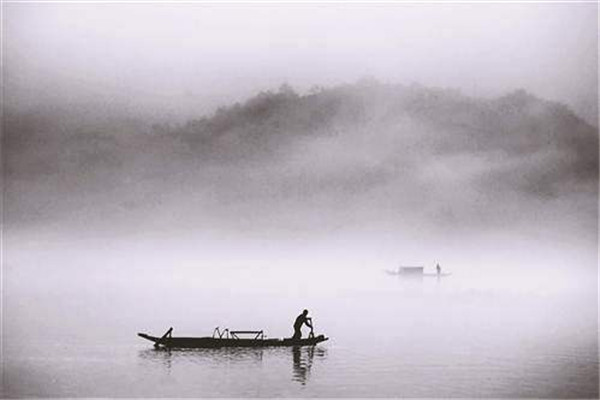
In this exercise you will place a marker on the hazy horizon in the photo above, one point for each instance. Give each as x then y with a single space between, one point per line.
364 150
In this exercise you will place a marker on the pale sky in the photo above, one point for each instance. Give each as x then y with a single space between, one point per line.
194 56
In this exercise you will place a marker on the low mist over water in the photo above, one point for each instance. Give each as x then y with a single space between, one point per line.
201 165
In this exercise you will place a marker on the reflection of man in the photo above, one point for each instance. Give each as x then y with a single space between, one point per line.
301 364
303 360
299 369
302 319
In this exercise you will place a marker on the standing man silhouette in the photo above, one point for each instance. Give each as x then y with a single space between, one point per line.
301 319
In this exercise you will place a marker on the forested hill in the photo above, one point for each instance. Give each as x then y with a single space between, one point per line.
444 121
379 150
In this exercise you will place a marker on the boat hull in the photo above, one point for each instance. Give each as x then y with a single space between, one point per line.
415 275
210 342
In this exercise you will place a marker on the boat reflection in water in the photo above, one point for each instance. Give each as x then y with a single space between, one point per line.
224 355
228 358
303 360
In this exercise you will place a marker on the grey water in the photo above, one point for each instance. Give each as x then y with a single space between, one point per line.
516 337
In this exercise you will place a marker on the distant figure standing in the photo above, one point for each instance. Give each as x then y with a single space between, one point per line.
438 269
301 319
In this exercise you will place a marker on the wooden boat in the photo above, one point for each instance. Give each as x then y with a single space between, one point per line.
426 274
407 271
416 272
229 339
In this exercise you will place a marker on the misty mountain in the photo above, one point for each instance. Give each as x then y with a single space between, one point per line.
365 154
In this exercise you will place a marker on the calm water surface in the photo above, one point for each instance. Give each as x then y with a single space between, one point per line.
390 339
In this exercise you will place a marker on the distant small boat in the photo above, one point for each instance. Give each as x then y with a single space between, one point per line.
228 339
415 271
408 271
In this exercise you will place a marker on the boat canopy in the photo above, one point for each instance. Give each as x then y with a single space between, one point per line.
410 270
